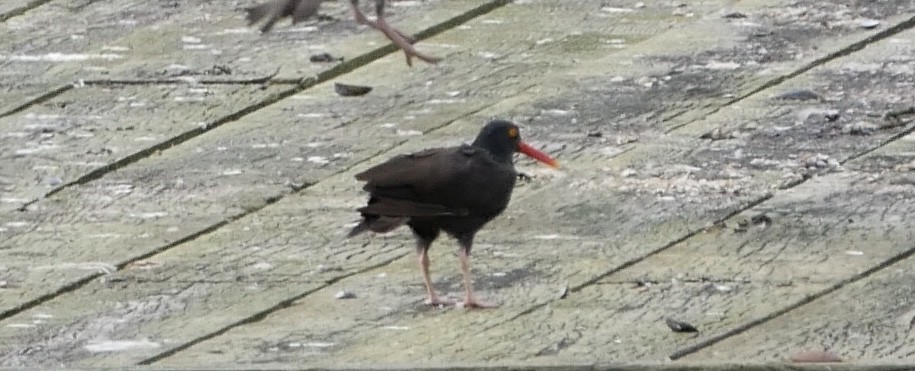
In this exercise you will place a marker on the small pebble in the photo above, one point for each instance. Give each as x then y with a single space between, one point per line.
761 219
679 326
717 134
644 282
734 15
346 90
343 294
868 24
859 128
324 58
324 269
800 94
818 161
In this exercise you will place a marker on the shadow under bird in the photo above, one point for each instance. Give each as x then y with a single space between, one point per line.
456 190
301 10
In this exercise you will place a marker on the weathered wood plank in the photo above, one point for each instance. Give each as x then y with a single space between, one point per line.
662 191
869 319
328 192
164 215
329 119
88 128
12 8
479 94
158 46
717 281
91 41
76 41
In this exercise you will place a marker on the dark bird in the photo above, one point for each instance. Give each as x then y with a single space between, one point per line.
301 10
456 189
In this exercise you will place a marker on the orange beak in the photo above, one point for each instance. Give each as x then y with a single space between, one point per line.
537 155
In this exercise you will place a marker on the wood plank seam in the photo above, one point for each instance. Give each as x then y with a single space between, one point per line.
22 9
76 285
680 353
759 321
285 303
38 100
845 51
302 85
783 78
632 262
848 50
774 82
857 46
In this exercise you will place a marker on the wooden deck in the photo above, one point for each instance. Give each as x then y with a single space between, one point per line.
175 186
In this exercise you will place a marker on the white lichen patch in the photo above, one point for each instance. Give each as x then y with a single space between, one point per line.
99 346
60 57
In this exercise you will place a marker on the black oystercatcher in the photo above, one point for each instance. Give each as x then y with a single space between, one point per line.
457 190
301 10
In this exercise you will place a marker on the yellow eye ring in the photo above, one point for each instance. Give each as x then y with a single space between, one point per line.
512 132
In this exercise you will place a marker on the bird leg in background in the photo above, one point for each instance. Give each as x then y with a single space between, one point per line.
404 42
422 251
469 300
379 9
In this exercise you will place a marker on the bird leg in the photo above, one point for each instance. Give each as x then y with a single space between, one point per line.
422 250
402 41
469 300
379 9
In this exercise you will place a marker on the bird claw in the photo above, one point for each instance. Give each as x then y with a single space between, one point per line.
401 40
425 58
524 177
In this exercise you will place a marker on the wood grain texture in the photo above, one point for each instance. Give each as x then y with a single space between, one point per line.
226 249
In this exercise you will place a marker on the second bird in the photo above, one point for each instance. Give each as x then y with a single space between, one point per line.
301 10
456 190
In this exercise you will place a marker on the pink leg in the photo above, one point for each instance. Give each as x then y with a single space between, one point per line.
362 19
404 42
470 301
431 296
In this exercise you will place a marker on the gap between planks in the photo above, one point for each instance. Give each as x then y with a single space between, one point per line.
848 50
22 9
362 60
300 85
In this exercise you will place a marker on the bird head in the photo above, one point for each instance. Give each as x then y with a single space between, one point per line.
502 139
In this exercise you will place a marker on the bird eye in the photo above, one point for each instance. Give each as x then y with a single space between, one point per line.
512 132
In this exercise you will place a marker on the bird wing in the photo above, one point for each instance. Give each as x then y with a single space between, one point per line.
275 10
306 9
417 183
396 207
423 167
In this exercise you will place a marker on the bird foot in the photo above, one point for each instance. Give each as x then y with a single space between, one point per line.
411 52
476 304
401 40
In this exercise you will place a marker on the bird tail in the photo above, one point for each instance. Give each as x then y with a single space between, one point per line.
377 224
359 228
